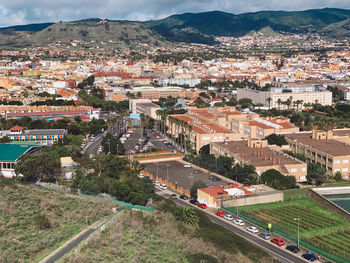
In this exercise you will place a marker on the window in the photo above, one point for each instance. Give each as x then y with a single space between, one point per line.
345 161
336 161
294 170
302 169
345 169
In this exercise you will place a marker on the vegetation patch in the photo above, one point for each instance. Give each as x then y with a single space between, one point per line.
35 221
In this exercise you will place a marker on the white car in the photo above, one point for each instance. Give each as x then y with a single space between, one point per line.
163 187
228 217
141 176
188 165
239 222
158 183
252 229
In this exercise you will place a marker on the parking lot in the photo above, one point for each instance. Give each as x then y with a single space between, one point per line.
176 173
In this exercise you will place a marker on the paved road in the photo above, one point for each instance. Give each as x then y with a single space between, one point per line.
280 253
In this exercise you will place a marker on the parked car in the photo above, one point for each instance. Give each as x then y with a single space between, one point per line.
220 213
265 235
203 206
188 165
309 257
278 241
163 187
293 248
158 183
184 197
252 229
173 196
228 217
214 178
239 222
194 202
197 171
141 175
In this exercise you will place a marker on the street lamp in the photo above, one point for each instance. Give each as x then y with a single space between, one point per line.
297 219
167 172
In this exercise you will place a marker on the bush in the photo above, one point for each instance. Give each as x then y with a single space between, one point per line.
42 221
277 180
276 139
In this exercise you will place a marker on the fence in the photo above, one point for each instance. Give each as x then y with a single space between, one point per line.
119 203
288 236
169 184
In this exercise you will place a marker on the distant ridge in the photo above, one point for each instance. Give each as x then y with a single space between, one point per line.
191 27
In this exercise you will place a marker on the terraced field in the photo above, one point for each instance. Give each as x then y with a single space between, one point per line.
320 229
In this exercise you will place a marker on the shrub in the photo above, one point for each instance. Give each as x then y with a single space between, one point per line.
42 221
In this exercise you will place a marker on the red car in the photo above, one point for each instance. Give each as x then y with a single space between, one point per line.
277 241
220 213
203 206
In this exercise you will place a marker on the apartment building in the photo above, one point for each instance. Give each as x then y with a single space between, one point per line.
274 97
331 149
155 93
226 124
50 113
144 106
257 153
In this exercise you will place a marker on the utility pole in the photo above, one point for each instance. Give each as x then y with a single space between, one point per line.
297 219
167 172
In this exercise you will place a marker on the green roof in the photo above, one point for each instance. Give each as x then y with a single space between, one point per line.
11 152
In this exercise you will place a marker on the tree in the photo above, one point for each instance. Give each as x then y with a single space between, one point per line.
112 145
276 139
338 176
279 102
204 95
44 166
245 102
188 216
268 100
197 185
315 174
277 180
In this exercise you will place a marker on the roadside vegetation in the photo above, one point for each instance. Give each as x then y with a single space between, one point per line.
35 221
172 234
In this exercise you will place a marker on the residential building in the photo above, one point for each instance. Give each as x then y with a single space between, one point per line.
211 196
276 96
331 149
257 153
44 137
50 113
10 154
144 106
226 124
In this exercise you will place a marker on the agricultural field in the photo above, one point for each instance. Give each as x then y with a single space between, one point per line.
318 227
35 221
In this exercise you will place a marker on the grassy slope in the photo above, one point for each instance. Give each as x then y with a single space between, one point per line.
21 240
157 237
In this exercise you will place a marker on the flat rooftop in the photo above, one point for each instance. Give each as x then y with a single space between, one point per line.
330 146
11 152
257 156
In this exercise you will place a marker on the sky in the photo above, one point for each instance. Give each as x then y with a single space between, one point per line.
19 12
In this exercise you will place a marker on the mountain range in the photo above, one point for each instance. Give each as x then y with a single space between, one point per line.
188 27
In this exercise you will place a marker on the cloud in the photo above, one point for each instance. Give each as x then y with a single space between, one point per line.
13 12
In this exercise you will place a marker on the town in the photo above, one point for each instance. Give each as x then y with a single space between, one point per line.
233 152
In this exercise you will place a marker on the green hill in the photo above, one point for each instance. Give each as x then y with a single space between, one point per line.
35 221
217 23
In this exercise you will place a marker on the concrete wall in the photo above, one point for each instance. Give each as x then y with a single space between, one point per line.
315 195
270 197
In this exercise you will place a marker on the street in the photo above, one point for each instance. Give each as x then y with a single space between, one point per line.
280 253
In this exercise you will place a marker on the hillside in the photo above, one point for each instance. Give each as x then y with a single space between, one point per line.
122 33
188 27
217 23
158 237
35 221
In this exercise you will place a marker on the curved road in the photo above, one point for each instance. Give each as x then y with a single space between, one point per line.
280 253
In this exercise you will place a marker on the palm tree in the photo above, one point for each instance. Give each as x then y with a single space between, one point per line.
279 102
188 216
269 102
